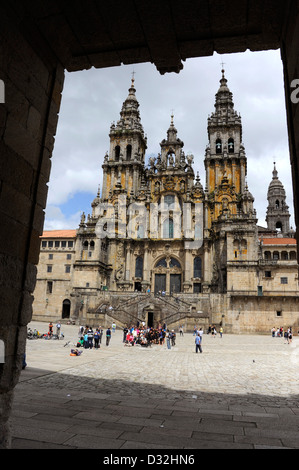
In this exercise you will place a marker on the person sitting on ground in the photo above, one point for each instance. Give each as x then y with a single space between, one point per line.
75 352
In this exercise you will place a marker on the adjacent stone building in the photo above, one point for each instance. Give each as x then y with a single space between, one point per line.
159 247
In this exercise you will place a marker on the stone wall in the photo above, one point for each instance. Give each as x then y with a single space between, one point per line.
28 120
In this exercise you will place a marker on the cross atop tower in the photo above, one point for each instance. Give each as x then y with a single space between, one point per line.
133 77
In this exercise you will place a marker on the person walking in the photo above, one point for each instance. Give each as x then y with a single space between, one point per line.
198 344
181 330
108 336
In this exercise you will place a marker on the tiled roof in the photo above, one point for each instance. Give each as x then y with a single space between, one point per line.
278 241
59 234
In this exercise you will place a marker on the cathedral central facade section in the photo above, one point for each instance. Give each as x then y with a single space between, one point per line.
164 231
159 247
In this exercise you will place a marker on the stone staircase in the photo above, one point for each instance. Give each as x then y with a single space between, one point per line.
128 309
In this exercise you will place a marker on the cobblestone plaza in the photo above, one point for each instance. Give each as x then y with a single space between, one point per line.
241 392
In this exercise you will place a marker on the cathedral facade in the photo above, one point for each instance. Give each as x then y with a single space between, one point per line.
158 247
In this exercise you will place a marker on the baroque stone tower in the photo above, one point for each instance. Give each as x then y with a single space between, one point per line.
278 216
231 220
124 167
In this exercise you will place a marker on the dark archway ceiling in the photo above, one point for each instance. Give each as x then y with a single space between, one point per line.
98 33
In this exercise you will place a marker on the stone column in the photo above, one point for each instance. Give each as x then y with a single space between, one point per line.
28 121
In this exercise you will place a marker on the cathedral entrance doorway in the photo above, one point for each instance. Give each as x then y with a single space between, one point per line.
168 276
66 308
160 283
175 283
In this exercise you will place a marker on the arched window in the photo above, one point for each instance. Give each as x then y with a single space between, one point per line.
129 152
162 262
277 204
117 153
293 255
218 146
276 255
267 255
91 246
279 227
231 145
197 267
174 263
169 200
243 244
85 245
139 266
284 255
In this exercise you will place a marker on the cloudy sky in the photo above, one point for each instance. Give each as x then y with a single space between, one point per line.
92 100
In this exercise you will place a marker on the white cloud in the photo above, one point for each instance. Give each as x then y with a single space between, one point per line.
56 220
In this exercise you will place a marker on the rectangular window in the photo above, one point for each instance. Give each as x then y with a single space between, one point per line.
267 273
49 287
283 280
260 291
63 244
44 244
50 244
67 268
49 268
50 255
70 244
68 256
279 313
57 244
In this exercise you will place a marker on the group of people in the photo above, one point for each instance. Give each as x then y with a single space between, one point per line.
89 338
33 334
140 335
279 333
146 336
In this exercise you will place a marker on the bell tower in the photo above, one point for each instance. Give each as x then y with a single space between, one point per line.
230 222
225 159
123 167
278 216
